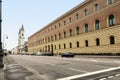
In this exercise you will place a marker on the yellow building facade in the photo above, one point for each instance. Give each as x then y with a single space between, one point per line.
92 27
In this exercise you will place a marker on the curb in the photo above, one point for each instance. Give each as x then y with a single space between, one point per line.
3 73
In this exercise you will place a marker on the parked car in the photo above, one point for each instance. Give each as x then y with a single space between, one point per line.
38 54
48 54
34 53
67 54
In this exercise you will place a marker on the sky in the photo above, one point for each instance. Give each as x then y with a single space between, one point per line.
32 14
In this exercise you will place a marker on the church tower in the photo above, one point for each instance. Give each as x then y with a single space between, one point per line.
21 39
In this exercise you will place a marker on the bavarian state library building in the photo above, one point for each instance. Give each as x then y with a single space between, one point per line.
92 27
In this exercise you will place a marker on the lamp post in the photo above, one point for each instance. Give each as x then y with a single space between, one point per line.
4 37
1 53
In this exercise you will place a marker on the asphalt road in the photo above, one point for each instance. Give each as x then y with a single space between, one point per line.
78 68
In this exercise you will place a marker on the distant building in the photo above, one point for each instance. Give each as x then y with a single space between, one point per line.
92 27
22 44
14 50
25 46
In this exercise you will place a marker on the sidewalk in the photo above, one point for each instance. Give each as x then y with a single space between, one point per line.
15 71
2 74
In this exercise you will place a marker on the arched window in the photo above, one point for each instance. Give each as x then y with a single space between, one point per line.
51 28
110 1
55 27
64 22
64 46
112 40
86 43
96 7
70 31
22 34
60 36
77 17
86 12
64 34
59 24
111 20
77 30
51 38
86 28
78 44
55 37
70 45
97 25
55 47
59 46
48 39
70 20
97 41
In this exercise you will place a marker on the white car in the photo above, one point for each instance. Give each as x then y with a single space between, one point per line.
39 54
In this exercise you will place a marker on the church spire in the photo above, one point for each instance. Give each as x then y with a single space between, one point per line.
22 28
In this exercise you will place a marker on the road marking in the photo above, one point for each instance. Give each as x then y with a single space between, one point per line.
103 79
5 67
78 70
77 59
116 61
34 72
110 76
94 60
26 78
31 70
88 74
117 75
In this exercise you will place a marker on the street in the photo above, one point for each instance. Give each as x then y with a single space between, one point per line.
77 68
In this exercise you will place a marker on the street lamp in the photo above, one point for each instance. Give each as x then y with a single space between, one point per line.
4 37
1 54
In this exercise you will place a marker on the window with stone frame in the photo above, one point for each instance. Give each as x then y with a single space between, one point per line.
112 40
86 28
110 2
97 25
70 45
77 30
96 7
86 43
78 44
111 20
97 41
70 32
